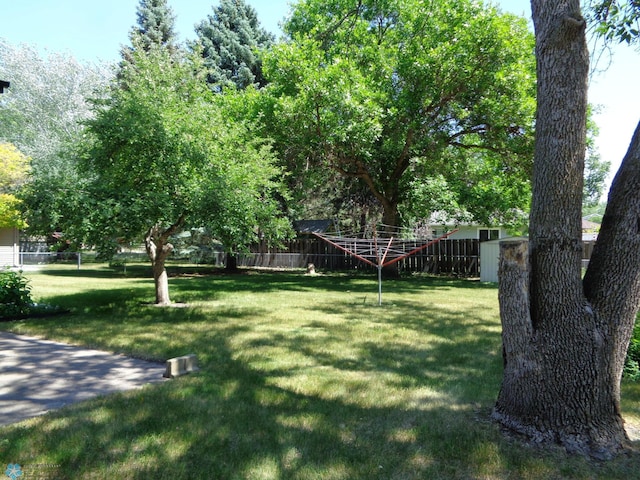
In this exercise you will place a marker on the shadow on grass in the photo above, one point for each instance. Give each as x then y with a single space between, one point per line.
393 392
459 356
231 421
252 279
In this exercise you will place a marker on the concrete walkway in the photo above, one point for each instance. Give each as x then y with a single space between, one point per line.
37 376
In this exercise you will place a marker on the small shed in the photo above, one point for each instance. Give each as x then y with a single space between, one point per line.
490 258
9 247
468 231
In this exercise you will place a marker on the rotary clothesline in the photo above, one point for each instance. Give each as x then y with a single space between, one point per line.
379 251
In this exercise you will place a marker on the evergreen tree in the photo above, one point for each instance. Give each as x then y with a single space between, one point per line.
156 22
232 40
155 26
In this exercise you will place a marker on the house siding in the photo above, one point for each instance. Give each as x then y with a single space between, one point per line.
466 231
9 250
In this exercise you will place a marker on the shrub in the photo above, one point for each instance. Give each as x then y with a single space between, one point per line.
15 294
632 362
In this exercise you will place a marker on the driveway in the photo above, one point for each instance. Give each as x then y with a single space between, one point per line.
37 376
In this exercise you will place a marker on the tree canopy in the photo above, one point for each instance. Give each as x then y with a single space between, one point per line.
161 156
155 25
42 115
43 110
154 28
616 20
14 167
373 91
232 43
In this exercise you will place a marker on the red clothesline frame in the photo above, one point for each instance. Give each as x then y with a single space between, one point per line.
381 261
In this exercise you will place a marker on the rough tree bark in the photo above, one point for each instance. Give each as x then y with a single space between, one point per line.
564 340
158 249
231 264
612 281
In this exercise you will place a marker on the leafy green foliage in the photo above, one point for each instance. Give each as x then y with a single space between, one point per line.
595 169
231 42
373 92
154 29
632 362
617 20
43 110
162 152
14 167
42 116
15 294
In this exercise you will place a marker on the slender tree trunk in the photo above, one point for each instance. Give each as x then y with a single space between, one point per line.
231 263
161 281
391 222
158 249
562 351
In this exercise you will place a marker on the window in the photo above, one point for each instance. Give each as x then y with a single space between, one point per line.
485 234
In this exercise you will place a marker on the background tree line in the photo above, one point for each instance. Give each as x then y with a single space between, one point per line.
395 109
367 116
342 104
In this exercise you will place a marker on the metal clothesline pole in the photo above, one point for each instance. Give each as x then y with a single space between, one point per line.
379 285
381 264
380 257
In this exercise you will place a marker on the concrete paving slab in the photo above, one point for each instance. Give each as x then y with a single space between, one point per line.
37 376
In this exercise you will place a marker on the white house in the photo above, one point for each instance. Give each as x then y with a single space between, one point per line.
476 232
9 247
440 223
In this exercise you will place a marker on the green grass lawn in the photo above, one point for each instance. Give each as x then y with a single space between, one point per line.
302 377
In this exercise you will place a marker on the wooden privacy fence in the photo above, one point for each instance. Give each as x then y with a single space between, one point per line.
446 257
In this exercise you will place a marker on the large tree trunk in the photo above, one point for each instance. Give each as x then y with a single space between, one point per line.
558 385
612 281
391 222
231 263
158 249
562 348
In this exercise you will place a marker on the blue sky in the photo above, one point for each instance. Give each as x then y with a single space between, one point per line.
93 30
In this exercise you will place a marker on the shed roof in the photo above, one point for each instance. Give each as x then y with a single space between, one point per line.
588 226
312 226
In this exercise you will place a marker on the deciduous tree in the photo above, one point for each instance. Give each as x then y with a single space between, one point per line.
616 20
388 92
565 339
14 167
41 115
162 156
